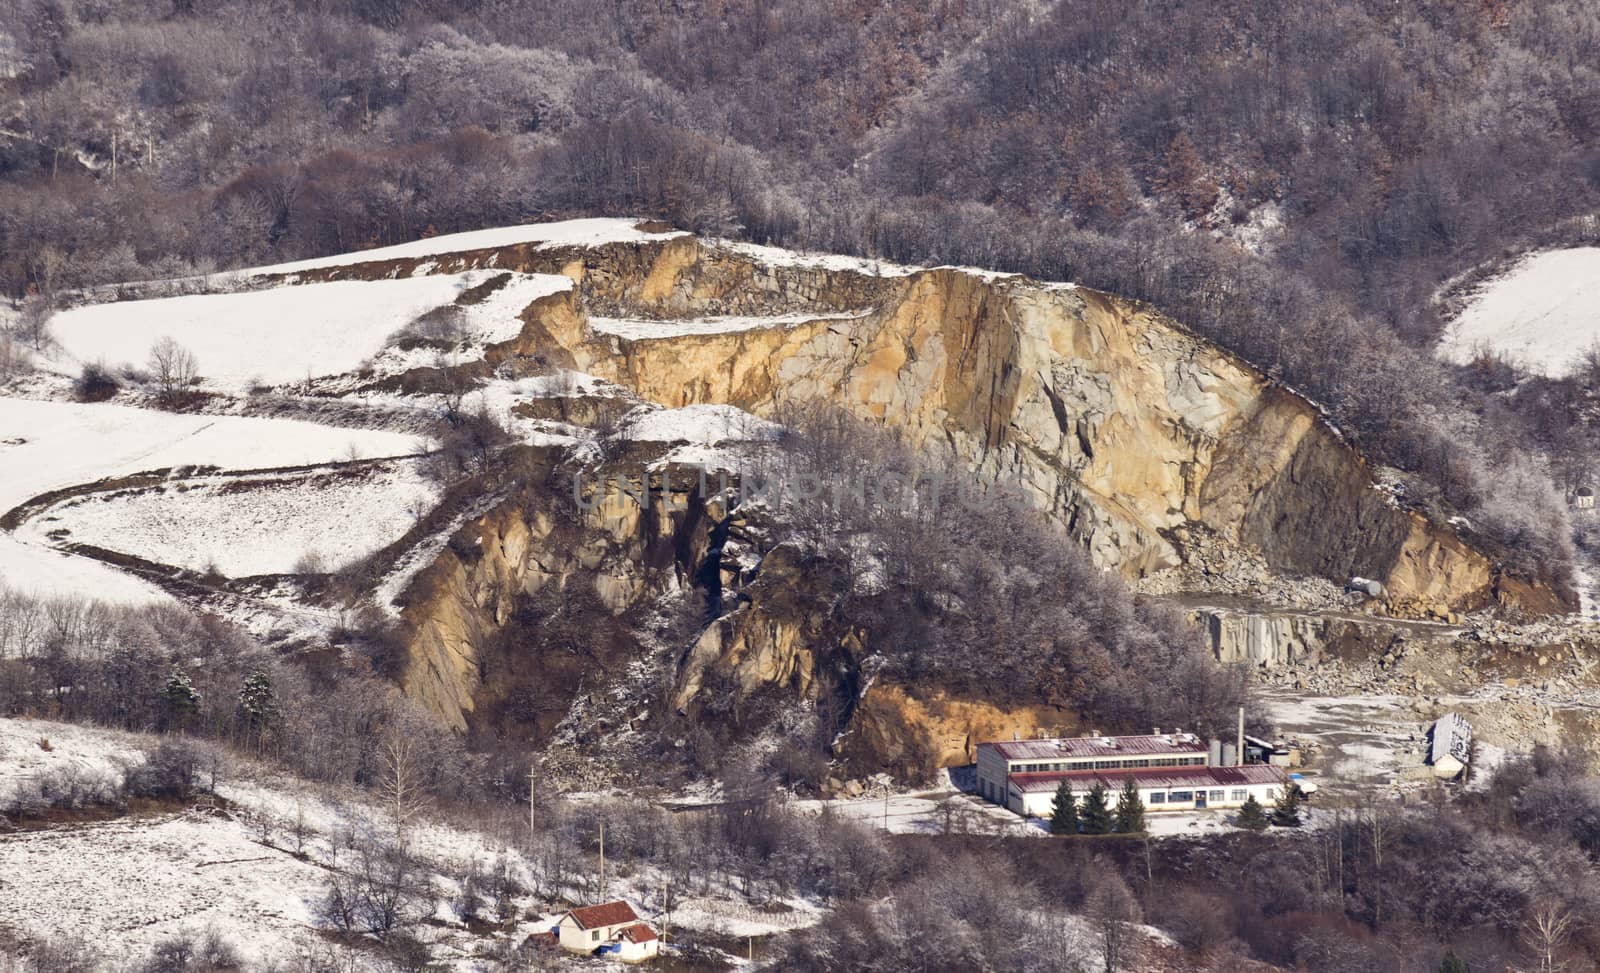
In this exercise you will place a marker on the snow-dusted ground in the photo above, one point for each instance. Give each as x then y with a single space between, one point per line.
1367 742
291 333
244 526
1543 313
567 233
46 446
779 257
639 329
256 871
129 884
704 424
32 748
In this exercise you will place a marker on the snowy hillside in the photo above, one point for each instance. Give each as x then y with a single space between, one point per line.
250 525
254 864
52 445
1542 314
290 333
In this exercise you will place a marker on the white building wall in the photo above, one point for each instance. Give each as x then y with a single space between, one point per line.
992 772
578 940
1041 804
639 952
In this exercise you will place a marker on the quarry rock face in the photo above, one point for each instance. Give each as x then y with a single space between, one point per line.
1118 421
1129 429
618 550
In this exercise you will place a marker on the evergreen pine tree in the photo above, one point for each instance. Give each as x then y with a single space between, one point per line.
183 702
1252 816
1130 808
1452 963
257 702
1286 812
1096 816
1064 811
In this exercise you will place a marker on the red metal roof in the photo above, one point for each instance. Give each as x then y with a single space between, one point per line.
605 914
1082 780
638 933
1083 748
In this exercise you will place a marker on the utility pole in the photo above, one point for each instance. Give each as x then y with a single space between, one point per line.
602 859
532 780
666 909
113 158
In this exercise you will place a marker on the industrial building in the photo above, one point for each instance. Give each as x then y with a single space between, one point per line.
1172 772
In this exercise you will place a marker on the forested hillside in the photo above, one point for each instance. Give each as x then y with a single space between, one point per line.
1296 182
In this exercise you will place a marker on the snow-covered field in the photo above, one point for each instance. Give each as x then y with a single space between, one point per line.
290 333
1543 313
47 446
244 526
31 748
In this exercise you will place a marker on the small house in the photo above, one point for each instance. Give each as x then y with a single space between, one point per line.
587 929
637 943
1450 747
1583 498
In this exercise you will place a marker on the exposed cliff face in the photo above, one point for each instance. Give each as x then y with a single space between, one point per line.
1135 433
897 731
1121 423
538 547
1272 638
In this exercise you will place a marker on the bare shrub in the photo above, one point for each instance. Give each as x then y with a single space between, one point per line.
172 771
382 890
184 953
95 383
442 327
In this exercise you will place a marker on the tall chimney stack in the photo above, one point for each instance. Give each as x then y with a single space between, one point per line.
1240 756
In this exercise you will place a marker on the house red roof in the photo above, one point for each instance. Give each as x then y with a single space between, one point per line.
638 933
606 914
1191 777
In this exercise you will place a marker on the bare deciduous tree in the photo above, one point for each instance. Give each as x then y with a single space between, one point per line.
174 370
33 323
404 796
1115 911
1546 932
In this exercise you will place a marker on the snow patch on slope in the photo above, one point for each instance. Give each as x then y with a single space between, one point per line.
53 445
245 526
289 333
1542 314
705 424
